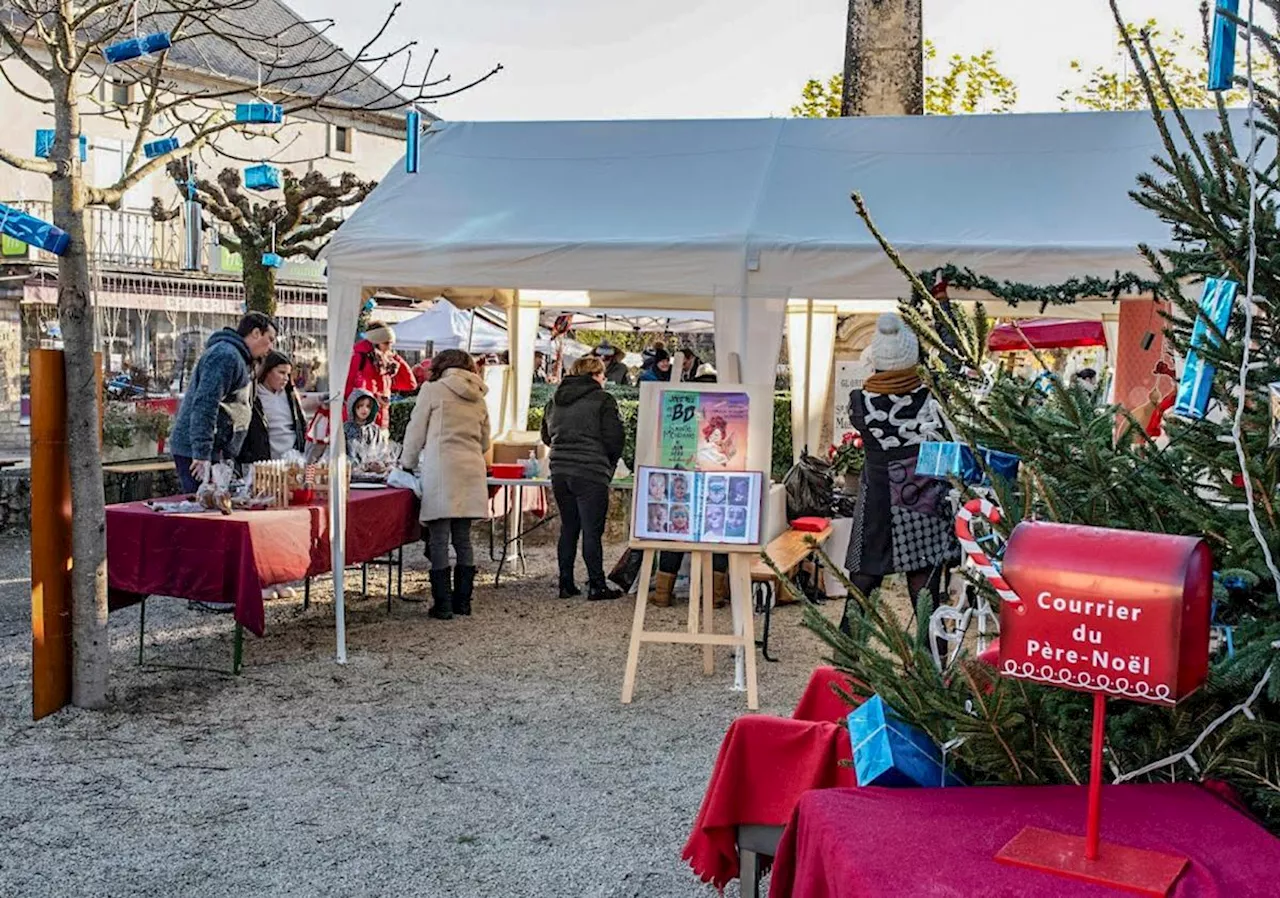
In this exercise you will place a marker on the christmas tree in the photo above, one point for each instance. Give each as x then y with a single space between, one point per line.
1085 462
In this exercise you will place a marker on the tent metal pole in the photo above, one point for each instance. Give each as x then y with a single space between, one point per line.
808 369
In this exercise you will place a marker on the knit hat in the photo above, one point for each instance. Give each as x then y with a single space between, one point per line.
380 334
894 347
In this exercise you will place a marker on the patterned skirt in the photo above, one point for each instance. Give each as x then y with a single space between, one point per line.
902 522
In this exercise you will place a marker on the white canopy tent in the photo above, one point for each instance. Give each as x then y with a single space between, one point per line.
738 217
445 326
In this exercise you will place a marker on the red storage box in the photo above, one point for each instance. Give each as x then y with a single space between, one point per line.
507 472
810 525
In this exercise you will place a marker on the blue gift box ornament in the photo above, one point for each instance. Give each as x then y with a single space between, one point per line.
262 177
272 260
944 460
33 231
154 148
259 113
1197 375
888 752
134 47
1222 46
412 134
44 144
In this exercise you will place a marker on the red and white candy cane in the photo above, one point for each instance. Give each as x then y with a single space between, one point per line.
964 532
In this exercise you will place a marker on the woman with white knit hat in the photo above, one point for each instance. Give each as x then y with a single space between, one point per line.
903 521
378 370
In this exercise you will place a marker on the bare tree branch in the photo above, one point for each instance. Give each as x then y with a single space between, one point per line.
40 166
15 44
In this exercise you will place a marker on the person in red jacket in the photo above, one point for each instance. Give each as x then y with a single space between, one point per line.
377 369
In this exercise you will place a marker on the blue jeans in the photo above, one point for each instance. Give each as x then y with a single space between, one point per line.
186 482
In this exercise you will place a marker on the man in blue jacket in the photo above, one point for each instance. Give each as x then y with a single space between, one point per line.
216 409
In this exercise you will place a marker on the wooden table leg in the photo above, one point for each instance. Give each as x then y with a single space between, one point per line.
637 626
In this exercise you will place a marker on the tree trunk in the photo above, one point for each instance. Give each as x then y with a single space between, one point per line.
90 649
884 59
259 282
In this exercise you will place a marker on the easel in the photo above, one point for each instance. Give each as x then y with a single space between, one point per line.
699 630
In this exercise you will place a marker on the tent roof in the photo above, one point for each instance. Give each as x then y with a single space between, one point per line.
758 207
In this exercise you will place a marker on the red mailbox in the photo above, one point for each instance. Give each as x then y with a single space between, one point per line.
1113 611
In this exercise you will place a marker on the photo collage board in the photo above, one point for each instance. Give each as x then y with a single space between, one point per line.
700 490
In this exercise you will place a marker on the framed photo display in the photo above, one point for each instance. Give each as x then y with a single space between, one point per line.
706 507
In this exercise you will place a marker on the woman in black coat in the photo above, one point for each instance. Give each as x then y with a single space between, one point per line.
583 428
276 423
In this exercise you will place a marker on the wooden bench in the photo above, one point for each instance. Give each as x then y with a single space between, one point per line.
131 472
787 551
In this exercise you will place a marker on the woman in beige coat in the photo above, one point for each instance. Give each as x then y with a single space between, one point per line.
447 437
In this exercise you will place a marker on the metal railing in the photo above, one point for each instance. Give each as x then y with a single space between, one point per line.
125 239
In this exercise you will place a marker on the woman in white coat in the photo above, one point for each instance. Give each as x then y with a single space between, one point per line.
447 437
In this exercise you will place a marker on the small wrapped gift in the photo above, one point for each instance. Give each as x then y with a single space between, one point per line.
134 47
44 144
154 148
888 752
259 113
262 177
1196 382
945 460
941 459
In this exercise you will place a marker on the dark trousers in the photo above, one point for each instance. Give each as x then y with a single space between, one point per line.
583 505
186 482
443 531
669 562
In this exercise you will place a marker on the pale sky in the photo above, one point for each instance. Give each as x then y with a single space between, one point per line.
599 59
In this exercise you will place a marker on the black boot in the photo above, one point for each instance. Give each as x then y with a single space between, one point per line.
600 591
464 581
569 589
441 595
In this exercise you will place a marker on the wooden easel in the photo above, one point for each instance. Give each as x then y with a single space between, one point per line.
699 632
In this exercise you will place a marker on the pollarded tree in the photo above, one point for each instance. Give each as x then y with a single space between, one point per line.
69 48
298 227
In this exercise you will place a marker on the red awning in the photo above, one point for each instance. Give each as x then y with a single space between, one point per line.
1046 333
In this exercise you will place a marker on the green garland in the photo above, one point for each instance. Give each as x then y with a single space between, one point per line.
1063 294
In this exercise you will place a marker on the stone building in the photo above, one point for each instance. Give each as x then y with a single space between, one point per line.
161 287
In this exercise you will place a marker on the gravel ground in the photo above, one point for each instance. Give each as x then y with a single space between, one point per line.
478 757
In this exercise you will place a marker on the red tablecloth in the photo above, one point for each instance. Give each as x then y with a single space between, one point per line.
820 700
853 843
230 558
764 766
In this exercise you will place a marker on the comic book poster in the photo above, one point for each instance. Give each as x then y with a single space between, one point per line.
722 432
679 434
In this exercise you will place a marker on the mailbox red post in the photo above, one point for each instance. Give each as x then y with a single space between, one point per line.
1110 612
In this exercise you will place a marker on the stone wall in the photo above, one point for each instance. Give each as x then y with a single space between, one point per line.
13 436
15 493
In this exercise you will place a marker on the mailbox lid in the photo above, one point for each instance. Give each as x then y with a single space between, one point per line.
1127 565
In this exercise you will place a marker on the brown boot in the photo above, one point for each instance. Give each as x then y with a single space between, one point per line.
663 591
720 589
